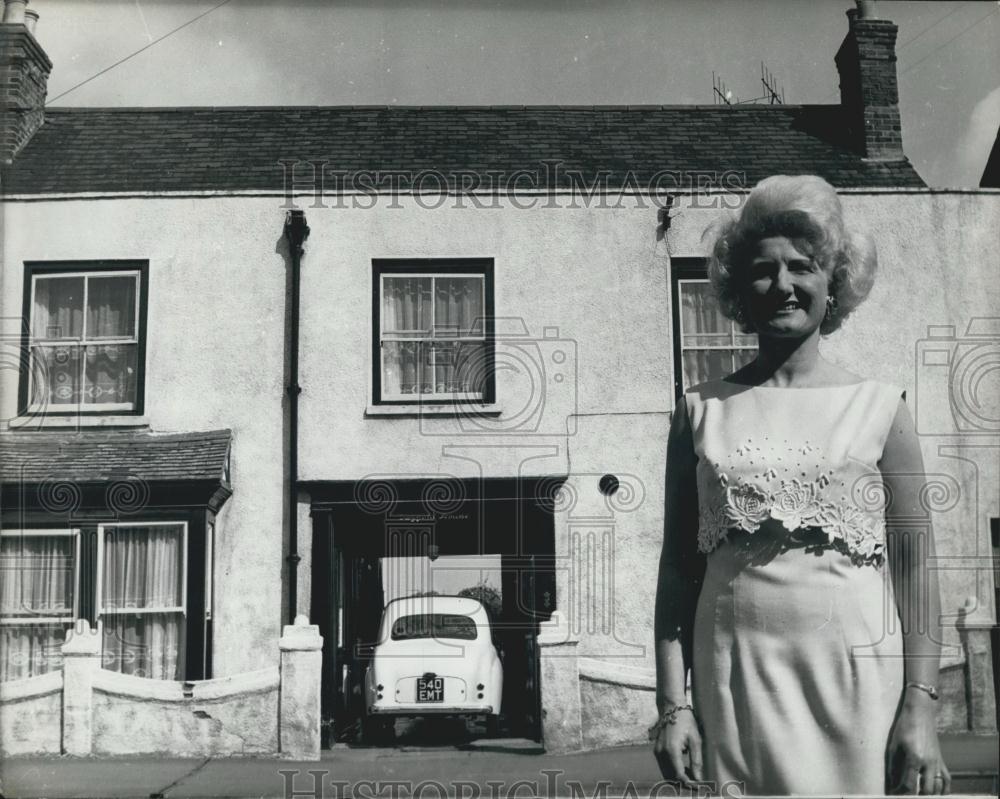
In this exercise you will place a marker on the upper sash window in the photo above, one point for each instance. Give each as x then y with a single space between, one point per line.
86 339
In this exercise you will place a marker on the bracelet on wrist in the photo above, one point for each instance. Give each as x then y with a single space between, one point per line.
667 716
930 690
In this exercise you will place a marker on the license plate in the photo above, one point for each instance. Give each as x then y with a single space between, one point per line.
430 689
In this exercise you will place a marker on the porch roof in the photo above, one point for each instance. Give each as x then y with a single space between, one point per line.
39 457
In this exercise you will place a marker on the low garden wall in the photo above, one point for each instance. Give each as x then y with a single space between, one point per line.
87 711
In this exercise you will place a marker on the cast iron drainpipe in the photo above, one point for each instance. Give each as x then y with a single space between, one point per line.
296 232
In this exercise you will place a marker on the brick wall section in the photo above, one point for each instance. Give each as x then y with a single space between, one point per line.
24 75
869 93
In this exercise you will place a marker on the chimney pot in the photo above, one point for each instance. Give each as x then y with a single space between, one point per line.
866 9
13 12
30 20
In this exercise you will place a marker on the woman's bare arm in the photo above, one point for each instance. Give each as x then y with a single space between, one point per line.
910 544
913 756
678 745
680 565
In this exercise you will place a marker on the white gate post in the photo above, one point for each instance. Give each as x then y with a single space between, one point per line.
562 720
301 648
81 660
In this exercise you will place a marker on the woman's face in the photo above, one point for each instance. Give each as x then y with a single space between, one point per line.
786 290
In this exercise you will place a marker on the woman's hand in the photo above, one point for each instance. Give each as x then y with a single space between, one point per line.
678 749
913 757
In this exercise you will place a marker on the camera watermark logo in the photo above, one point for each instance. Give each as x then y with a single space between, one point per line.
20 370
958 380
535 375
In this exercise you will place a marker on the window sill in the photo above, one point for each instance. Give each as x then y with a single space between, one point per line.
423 411
76 422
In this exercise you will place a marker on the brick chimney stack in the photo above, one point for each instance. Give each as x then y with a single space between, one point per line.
869 94
24 75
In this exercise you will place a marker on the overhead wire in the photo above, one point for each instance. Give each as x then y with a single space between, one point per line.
941 46
929 28
137 52
933 25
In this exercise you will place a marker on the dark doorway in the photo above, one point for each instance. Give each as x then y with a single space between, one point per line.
509 520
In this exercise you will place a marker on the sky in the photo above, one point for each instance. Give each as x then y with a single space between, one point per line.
523 52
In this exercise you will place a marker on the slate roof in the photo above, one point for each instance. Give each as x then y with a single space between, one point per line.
233 149
68 457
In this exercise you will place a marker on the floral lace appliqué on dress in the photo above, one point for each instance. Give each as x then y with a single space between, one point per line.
796 502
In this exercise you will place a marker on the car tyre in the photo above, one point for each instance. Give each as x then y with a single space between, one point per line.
492 726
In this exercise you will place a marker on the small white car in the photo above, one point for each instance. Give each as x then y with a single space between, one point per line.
434 655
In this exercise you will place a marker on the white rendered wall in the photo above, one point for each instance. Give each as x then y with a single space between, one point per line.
598 275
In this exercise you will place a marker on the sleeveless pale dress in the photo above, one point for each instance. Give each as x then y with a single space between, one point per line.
798 668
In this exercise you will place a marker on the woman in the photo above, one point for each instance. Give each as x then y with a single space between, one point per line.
789 581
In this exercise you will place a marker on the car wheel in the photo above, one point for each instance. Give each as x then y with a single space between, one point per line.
492 726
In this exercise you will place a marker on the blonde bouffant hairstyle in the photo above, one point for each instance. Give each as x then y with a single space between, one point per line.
806 210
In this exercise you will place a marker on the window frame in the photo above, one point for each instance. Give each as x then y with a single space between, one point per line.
36 532
32 532
434 630
83 268
100 611
432 267
687 270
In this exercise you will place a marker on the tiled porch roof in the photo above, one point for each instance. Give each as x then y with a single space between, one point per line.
87 457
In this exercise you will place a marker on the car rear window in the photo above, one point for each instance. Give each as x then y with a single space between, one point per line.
434 625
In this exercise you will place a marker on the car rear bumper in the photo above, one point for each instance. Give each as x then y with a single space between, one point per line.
426 709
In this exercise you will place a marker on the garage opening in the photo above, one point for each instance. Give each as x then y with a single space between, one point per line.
495 545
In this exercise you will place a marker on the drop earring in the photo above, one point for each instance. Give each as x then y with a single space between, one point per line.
739 314
831 308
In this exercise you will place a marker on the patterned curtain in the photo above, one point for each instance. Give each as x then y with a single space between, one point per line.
78 370
110 368
433 310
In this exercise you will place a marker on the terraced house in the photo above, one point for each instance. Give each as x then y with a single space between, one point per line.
266 369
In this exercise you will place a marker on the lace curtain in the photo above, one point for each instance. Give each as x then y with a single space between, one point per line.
79 368
142 602
427 312
37 578
703 325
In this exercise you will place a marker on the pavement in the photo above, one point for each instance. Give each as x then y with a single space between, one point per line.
483 770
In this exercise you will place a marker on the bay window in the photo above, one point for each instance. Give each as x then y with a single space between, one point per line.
131 579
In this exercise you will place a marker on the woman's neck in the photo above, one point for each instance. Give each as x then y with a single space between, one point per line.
787 362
